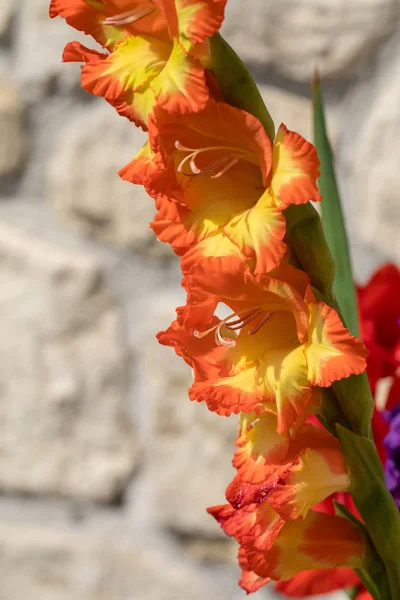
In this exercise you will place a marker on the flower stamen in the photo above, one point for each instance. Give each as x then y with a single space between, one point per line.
230 164
223 341
226 163
237 323
261 322
241 322
126 18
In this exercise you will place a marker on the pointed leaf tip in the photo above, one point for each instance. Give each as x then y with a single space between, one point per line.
332 216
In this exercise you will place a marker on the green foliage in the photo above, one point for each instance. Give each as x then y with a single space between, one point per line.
375 505
373 574
332 217
236 83
354 396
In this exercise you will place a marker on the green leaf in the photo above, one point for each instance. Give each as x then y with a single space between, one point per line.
373 575
236 83
332 217
374 502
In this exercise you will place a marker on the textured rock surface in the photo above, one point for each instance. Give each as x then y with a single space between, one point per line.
84 187
295 112
13 139
62 349
294 37
61 564
193 444
372 179
38 44
288 108
7 12
83 290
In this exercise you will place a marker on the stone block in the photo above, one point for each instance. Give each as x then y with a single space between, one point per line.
295 112
293 38
85 190
368 158
37 51
7 13
190 449
64 563
13 137
64 407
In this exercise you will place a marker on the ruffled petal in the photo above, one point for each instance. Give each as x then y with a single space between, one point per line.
249 581
181 86
142 71
285 370
88 17
133 105
199 19
201 354
130 68
310 583
332 353
203 220
168 225
141 168
319 541
316 474
293 473
258 232
240 493
295 169
235 523
259 521
203 253
77 52
232 395
260 448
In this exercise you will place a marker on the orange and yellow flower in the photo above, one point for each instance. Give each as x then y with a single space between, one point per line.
294 474
156 51
272 353
224 185
271 548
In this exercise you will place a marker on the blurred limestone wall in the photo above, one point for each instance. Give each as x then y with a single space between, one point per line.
106 468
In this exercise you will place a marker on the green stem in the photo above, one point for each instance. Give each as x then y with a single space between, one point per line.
306 238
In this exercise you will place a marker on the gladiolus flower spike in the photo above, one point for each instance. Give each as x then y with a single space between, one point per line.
233 201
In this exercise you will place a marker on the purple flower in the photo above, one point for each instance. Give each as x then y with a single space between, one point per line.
392 445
